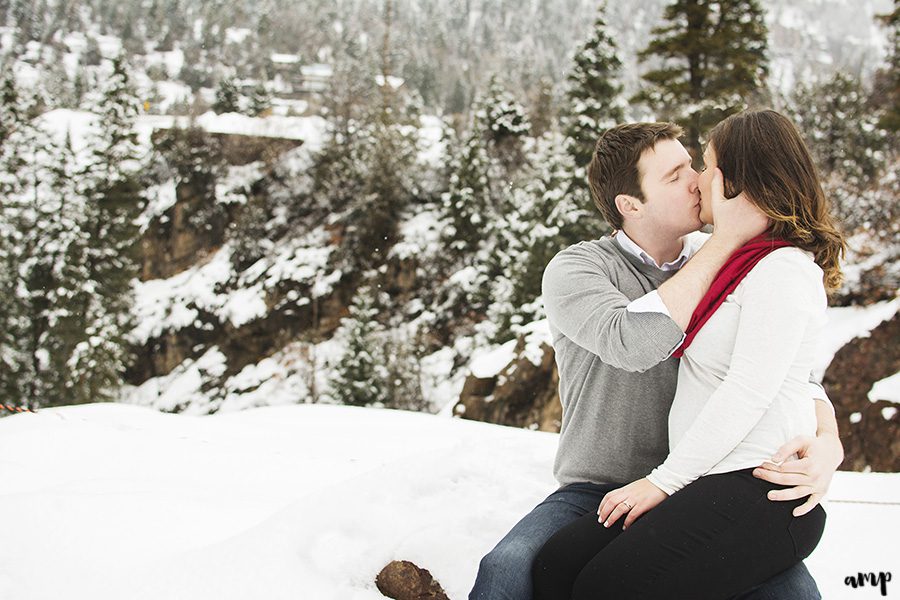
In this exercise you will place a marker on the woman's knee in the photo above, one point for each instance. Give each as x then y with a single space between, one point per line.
606 578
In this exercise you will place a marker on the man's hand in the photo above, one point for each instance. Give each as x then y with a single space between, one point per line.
736 220
810 474
636 498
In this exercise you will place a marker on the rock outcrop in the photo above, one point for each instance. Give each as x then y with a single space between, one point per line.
522 394
871 435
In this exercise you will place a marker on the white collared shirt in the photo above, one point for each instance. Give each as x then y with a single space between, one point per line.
687 250
651 302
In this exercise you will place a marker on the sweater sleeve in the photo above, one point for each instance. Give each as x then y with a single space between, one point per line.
777 301
582 302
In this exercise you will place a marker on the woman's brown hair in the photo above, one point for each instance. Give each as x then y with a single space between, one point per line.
760 152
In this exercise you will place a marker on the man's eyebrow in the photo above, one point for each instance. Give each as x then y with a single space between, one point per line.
673 170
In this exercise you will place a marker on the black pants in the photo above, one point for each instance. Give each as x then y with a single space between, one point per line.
713 539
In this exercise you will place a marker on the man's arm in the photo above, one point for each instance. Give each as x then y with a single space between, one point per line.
811 473
582 302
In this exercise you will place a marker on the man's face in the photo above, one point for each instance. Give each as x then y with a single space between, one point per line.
671 197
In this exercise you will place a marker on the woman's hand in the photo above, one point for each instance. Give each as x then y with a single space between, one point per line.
635 499
735 219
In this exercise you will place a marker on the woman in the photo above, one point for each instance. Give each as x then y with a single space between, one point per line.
742 393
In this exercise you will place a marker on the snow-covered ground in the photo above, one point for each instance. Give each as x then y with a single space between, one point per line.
111 501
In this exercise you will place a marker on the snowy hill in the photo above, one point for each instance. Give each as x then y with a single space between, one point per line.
304 502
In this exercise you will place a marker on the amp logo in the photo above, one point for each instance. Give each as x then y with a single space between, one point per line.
862 579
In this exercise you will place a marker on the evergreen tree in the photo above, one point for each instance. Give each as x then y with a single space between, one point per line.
466 203
113 203
260 102
359 377
714 63
550 211
593 92
543 112
12 111
40 225
888 78
227 97
849 146
403 371
505 124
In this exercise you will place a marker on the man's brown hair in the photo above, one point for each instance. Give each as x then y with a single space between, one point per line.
614 164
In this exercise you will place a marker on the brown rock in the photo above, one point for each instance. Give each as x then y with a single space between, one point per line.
403 580
522 395
872 441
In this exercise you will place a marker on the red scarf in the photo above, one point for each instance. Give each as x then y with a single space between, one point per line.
727 279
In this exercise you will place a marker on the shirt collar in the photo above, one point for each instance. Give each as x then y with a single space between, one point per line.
629 245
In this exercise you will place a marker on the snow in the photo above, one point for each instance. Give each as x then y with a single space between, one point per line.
886 389
305 501
845 323
173 61
317 70
419 235
79 125
394 82
171 304
172 93
236 35
431 133
286 59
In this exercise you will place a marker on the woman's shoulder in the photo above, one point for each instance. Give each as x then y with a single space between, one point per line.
788 270
789 260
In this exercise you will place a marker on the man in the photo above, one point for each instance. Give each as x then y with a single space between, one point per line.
617 309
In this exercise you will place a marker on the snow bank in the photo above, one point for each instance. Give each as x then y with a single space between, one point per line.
306 501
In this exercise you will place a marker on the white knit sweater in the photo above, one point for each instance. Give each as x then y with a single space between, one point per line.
743 384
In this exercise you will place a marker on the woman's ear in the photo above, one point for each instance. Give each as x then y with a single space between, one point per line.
629 206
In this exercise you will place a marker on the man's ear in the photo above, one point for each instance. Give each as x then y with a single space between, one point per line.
629 206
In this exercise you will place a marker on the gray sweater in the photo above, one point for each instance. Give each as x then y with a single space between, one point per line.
616 382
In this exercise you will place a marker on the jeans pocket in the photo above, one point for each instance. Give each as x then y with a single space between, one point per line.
806 531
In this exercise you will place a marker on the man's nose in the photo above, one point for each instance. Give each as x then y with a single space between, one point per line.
695 182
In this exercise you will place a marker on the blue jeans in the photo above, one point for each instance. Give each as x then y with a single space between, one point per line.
505 572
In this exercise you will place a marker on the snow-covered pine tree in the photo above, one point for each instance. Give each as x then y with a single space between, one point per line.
391 181
260 102
505 124
849 146
403 377
550 212
359 377
59 277
482 164
227 97
113 202
12 111
593 93
714 63
41 223
888 78
466 203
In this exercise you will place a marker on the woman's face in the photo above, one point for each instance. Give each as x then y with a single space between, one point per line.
704 182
